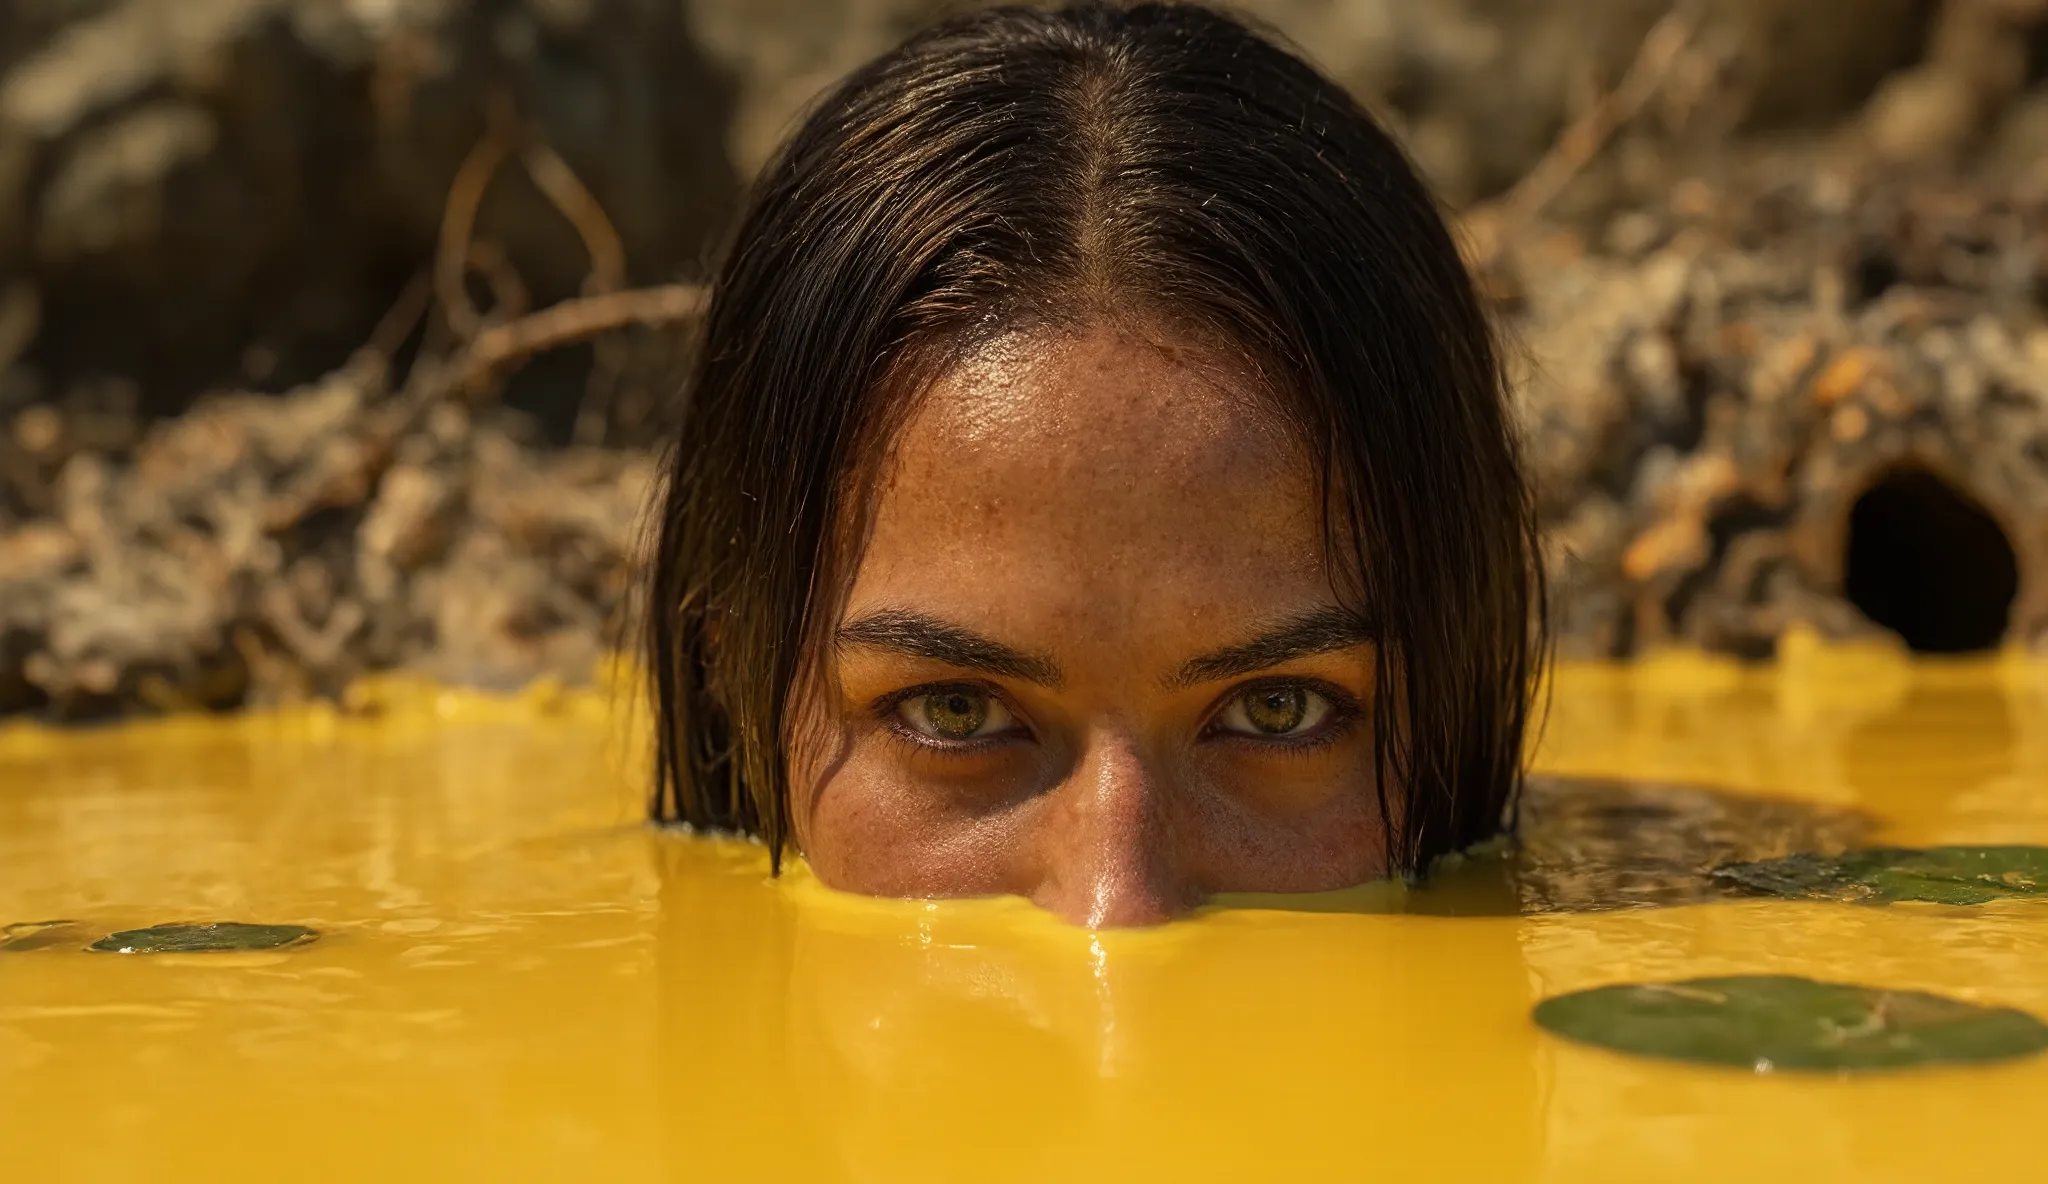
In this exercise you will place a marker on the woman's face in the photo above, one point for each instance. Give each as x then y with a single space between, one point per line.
1090 653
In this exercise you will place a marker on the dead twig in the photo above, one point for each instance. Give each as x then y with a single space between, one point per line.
401 318
600 238
607 253
509 298
374 356
460 253
315 649
458 225
569 322
1583 139
457 252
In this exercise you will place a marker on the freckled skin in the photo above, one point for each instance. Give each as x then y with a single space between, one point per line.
1118 501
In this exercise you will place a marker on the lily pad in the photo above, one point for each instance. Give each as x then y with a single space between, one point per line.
1940 875
1768 1022
202 938
23 936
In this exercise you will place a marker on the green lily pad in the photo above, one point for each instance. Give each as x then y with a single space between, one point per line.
22 936
1768 1022
203 938
1941 875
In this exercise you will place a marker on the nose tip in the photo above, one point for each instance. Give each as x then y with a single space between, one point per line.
1115 902
1111 853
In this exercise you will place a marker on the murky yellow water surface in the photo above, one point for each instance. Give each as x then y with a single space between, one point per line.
517 982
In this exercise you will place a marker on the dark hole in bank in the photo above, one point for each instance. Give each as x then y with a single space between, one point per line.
1929 563
1874 274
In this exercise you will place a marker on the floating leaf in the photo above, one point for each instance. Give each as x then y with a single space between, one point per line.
35 935
203 938
1940 875
1767 1022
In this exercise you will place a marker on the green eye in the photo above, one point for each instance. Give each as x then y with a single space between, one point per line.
954 714
1274 711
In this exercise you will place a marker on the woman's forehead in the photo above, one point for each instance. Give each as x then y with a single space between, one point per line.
1116 482
1114 402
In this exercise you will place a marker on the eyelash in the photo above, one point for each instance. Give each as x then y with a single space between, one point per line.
1345 712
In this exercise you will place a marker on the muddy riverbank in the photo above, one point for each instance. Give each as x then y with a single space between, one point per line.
338 338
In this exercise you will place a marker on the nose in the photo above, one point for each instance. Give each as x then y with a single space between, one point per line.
1110 852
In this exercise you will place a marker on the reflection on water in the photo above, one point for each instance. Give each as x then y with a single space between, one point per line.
901 1041
516 981
1588 844
1897 755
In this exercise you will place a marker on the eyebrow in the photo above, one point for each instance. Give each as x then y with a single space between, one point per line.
1318 631
916 635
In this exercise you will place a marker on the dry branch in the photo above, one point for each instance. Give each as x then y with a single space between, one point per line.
1581 141
570 322
562 187
458 226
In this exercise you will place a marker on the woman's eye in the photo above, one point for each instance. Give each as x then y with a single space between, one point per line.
1276 711
955 713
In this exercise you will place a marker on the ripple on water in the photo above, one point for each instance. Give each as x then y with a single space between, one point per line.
1592 845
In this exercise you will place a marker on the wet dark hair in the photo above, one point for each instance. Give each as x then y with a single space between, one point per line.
1045 170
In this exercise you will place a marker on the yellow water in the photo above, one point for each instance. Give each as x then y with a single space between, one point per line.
518 982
